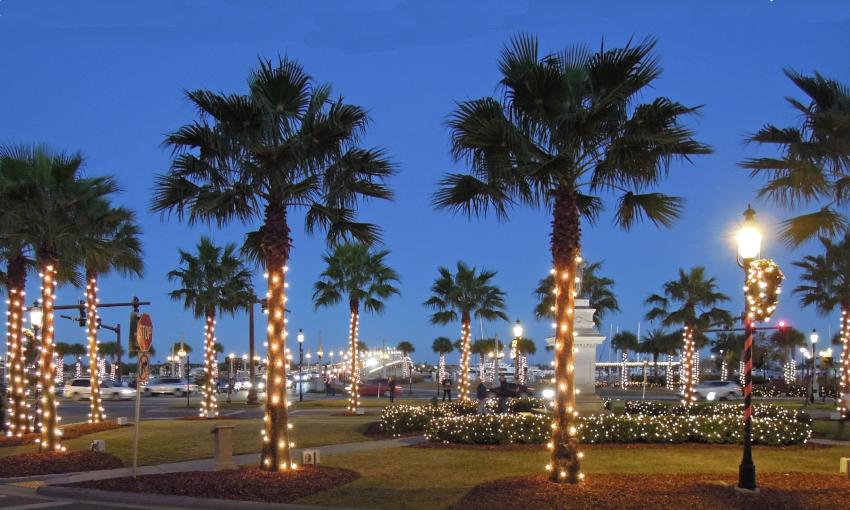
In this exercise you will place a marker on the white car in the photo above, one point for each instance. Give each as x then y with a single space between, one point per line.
80 388
169 386
718 390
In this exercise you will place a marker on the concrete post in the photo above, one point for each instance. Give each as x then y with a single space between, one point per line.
223 442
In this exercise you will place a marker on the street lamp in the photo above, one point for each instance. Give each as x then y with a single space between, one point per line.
183 354
749 247
300 365
813 338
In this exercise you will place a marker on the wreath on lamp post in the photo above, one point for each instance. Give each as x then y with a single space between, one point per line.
764 284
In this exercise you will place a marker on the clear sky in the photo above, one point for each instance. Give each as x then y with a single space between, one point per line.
107 78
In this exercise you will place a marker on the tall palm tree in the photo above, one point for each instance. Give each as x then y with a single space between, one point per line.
625 341
728 346
214 279
690 300
110 240
287 144
461 296
656 343
442 345
813 159
360 275
569 130
478 347
593 287
50 198
787 340
826 285
406 348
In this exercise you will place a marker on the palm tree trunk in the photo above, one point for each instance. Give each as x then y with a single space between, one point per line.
209 406
687 368
354 372
16 359
48 263
97 413
845 360
465 333
566 234
276 454
654 367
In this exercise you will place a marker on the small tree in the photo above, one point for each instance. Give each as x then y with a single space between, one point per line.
213 280
442 346
406 348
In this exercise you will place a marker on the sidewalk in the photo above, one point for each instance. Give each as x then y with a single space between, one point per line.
208 464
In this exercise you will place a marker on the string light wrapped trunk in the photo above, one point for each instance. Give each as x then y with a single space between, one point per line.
50 433
209 405
696 368
845 361
465 333
276 453
668 374
60 369
687 367
96 411
564 459
724 369
441 370
354 355
18 412
624 375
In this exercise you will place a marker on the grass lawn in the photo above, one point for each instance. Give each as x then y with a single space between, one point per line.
423 478
831 430
164 441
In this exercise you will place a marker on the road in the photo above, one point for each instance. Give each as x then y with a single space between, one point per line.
24 498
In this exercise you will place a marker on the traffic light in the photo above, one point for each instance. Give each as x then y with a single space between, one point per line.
83 318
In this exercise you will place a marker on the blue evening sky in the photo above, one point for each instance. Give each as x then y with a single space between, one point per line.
106 78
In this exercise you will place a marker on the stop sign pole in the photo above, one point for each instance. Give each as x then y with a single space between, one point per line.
144 338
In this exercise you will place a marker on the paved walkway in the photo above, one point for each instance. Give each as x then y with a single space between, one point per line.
208 464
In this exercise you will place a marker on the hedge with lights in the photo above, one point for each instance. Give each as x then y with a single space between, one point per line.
403 419
711 423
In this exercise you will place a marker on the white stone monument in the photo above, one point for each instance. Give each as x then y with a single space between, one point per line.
586 340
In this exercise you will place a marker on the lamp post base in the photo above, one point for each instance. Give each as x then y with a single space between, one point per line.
747 478
747 492
252 398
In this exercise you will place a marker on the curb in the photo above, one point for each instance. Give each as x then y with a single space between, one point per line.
160 501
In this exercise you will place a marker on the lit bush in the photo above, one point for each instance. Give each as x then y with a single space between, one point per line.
645 407
403 419
489 429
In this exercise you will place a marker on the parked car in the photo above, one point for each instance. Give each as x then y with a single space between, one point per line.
169 386
718 390
80 388
372 387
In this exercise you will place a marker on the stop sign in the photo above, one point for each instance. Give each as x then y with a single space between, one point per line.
144 332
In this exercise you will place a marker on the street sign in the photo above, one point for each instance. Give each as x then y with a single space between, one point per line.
144 332
144 368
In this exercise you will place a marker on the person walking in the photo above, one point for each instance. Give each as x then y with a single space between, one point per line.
447 389
481 393
503 393
391 387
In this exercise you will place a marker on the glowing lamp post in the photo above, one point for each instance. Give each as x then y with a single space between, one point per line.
300 365
183 355
749 247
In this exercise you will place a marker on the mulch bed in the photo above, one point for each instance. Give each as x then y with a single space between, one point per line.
29 464
694 492
611 446
250 484
68 432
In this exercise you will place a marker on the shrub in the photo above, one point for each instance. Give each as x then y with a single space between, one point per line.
645 407
403 419
517 405
489 429
713 423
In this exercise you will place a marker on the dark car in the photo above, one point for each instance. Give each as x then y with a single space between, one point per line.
375 386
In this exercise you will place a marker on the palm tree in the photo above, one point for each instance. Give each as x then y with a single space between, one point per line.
523 348
596 289
461 296
625 341
442 345
213 280
569 129
826 285
110 240
286 144
480 347
406 348
813 161
728 346
78 351
50 197
656 343
362 277
690 300
787 340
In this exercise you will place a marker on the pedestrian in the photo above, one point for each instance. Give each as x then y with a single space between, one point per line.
230 385
447 389
481 393
391 387
503 393
333 385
